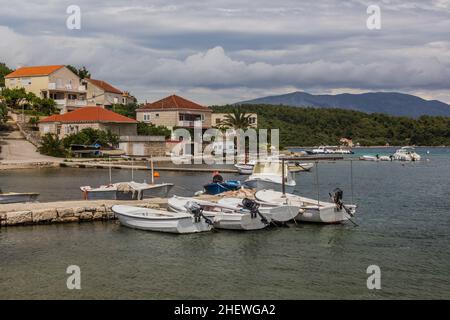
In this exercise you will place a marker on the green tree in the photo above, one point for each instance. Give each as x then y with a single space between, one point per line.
51 145
145 129
128 110
16 98
44 106
305 126
90 136
4 70
3 112
80 72
236 119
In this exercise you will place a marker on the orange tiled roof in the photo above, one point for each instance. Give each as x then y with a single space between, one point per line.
34 71
89 114
173 102
105 86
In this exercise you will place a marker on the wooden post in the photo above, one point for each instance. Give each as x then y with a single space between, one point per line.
283 185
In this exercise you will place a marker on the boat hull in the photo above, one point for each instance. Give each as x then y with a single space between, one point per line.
177 225
156 191
18 197
325 212
224 216
220 187
244 169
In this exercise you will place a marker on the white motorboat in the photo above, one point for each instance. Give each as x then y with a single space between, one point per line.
224 216
268 175
161 221
247 168
278 213
406 154
127 191
375 158
330 150
310 210
15 197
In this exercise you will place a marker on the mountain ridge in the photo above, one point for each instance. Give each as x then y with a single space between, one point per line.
392 103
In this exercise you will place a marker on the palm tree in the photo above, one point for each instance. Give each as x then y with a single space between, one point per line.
237 119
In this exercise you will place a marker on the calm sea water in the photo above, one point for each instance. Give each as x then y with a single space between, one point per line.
404 228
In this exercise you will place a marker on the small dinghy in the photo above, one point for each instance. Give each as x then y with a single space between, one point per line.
311 210
244 168
224 216
15 197
218 185
162 221
126 191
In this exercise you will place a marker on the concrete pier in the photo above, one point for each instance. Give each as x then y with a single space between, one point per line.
66 211
82 164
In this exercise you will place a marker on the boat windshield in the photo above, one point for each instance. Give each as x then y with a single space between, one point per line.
269 168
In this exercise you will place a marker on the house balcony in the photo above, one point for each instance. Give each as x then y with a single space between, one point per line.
67 87
191 124
70 102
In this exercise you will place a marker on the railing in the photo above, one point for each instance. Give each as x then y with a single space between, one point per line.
68 87
190 123
70 102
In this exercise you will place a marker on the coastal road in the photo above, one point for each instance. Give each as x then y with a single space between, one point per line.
16 150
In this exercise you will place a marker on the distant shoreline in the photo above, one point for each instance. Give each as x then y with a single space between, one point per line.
370 147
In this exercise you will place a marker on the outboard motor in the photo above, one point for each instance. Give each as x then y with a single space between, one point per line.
253 206
197 211
337 197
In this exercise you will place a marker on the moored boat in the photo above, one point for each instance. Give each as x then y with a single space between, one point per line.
311 210
276 212
330 150
224 216
126 191
218 185
244 168
16 197
406 154
268 175
161 221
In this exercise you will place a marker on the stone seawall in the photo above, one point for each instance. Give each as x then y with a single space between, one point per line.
66 211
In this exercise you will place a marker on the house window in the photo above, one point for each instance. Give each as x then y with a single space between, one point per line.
25 81
146 117
252 120
157 115
217 121
12 82
124 100
202 117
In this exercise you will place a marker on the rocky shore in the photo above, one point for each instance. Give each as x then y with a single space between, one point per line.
66 211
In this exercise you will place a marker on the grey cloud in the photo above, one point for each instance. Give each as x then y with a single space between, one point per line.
219 50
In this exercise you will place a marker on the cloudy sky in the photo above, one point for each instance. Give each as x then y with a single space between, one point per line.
219 51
